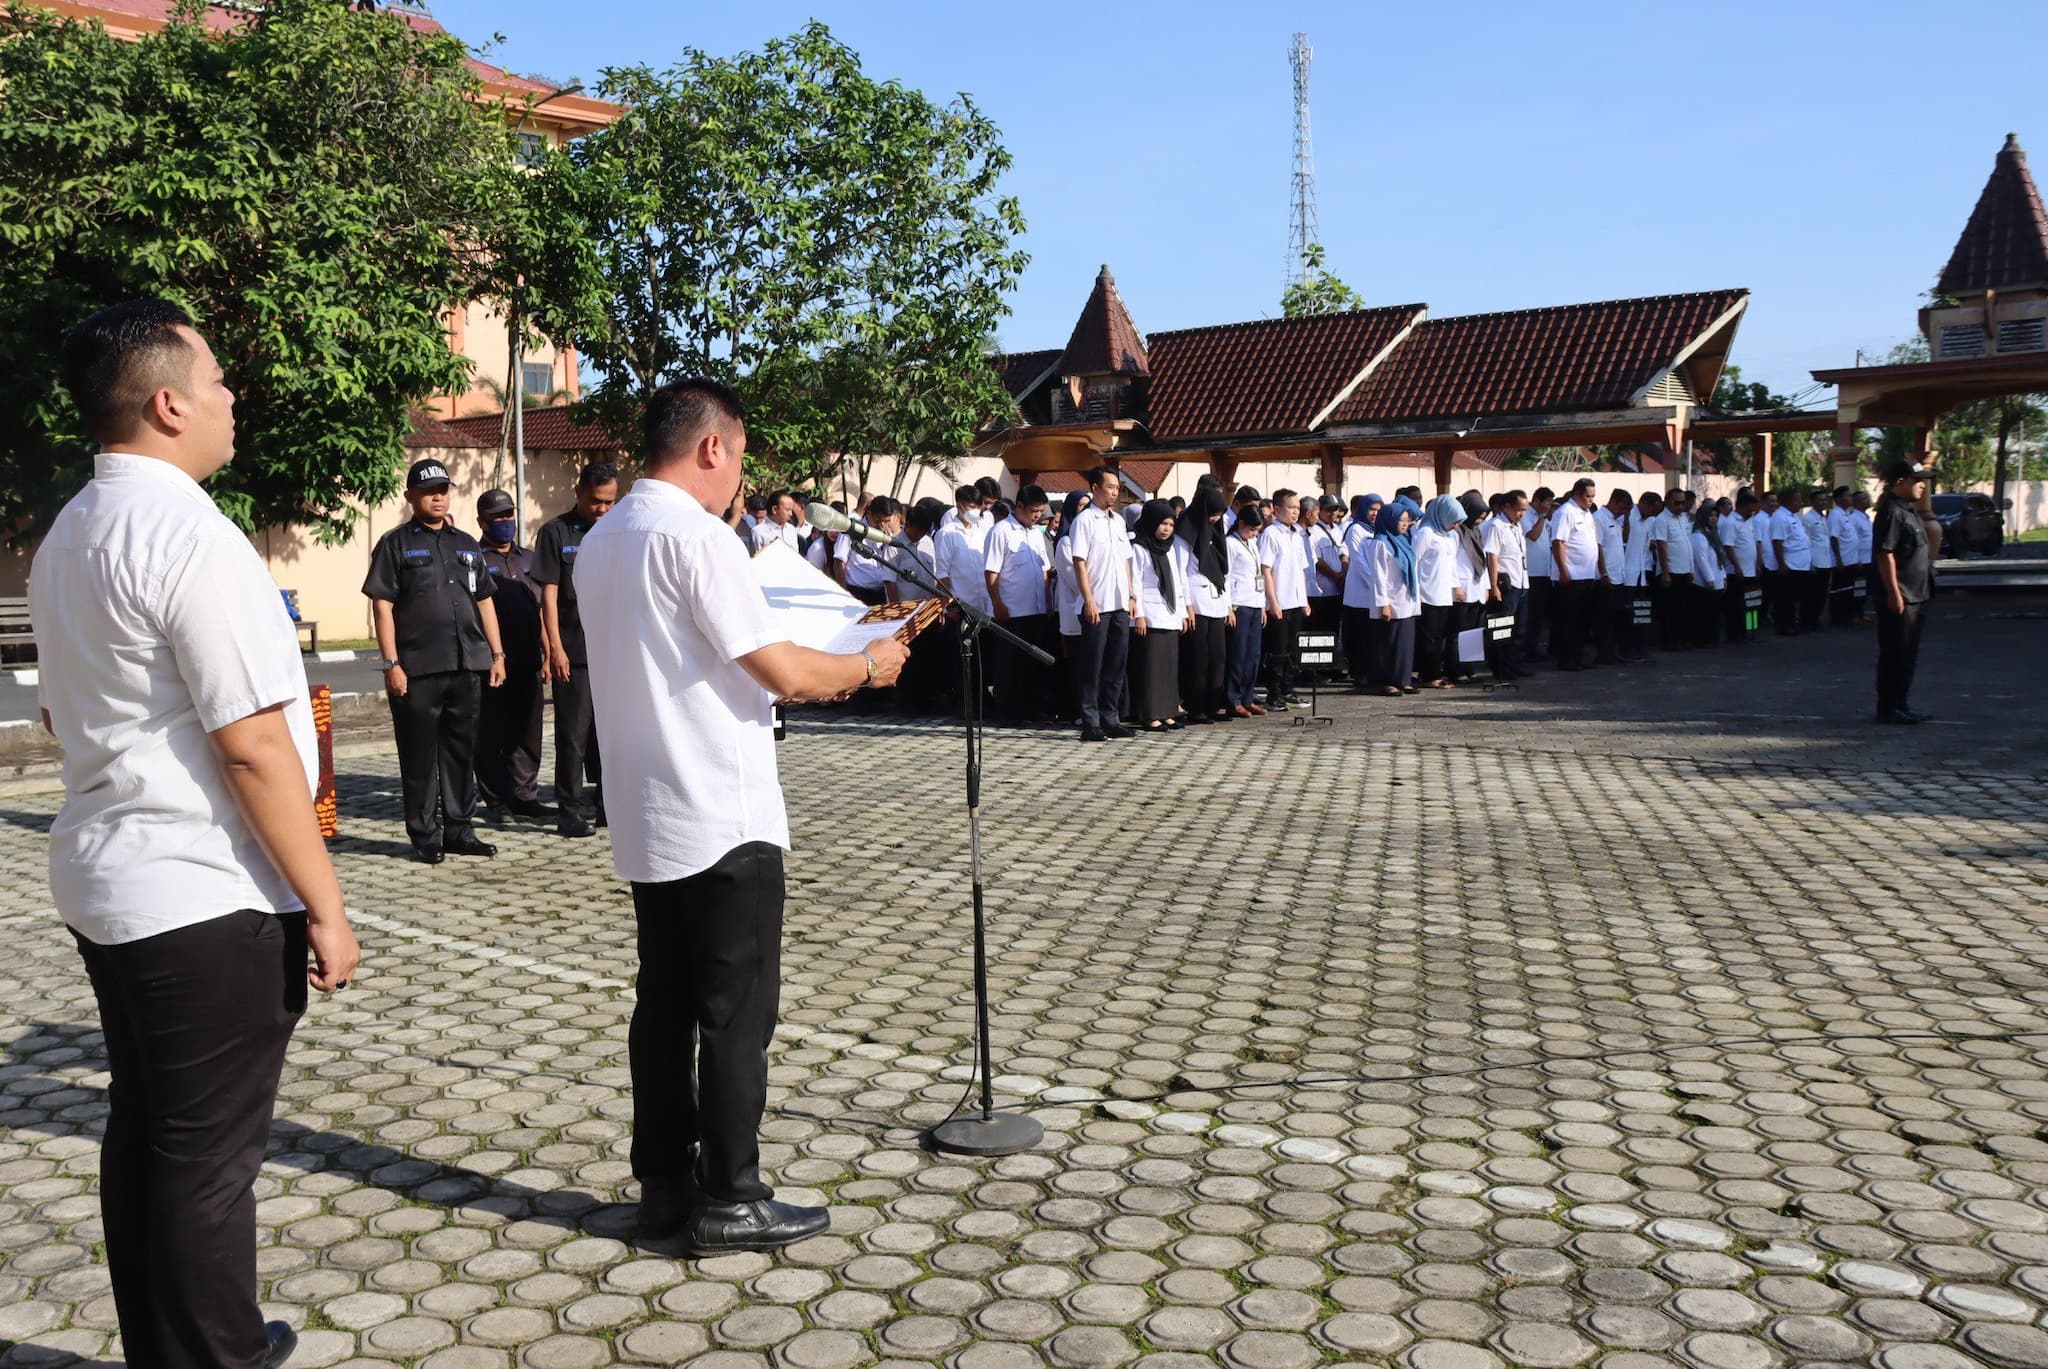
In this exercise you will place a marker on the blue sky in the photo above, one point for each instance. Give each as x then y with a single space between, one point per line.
1470 155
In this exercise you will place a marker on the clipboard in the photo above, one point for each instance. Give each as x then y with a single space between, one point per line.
820 614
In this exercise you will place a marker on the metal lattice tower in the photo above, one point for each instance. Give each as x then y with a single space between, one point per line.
1302 232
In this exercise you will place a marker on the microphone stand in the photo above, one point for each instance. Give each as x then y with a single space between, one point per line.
987 1132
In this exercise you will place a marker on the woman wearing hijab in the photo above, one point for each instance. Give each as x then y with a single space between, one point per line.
1163 614
1472 578
1205 564
1436 569
1396 603
1358 601
1067 601
1709 575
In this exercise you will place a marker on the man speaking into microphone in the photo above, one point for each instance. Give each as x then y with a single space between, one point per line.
686 661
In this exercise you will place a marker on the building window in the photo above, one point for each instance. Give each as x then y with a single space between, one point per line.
2021 335
537 379
532 149
1962 340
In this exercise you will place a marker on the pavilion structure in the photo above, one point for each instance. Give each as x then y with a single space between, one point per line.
1986 338
1332 390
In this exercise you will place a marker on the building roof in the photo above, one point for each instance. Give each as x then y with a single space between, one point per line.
1020 369
551 429
1104 340
428 431
1147 475
1269 375
1529 361
2005 243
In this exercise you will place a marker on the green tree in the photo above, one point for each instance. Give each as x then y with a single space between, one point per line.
1318 292
317 184
833 244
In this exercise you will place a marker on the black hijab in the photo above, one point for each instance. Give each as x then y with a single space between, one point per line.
1204 538
1155 512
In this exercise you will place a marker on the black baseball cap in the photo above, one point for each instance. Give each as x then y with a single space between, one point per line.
493 504
426 474
1908 468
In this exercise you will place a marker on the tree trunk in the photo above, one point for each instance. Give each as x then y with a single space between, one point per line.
2005 422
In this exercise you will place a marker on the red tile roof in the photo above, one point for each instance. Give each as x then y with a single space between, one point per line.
2005 243
428 431
1149 476
1104 340
1574 356
1266 376
551 429
1019 369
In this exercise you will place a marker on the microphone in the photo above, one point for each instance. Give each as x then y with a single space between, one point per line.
825 518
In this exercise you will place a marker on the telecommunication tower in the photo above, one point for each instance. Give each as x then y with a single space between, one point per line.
1302 232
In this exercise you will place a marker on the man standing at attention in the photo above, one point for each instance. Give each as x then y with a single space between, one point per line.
779 526
186 860
554 565
1901 583
1102 572
1575 564
1017 573
686 662
437 631
1283 571
508 731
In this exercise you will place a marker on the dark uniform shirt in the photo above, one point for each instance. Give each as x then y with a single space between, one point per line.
554 563
433 580
1900 531
517 602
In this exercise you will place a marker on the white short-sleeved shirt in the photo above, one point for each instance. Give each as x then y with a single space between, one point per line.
1066 589
768 530
1708 569
1209 600
1541 565
862 570
1573 526
1358 538
1613 544
1817 534
1281 548
926 564
688 736
1860 525
1019 558
1504 540
1243 585
1766 554
1636 552
1674 531
1436 565
157 624
962 551
1329 555
1790 529
1152 605
1739 535
820 551
1103 544
1389 585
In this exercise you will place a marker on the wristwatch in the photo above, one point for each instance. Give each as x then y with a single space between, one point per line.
384 664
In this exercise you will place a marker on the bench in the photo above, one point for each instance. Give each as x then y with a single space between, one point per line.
17 636
309 626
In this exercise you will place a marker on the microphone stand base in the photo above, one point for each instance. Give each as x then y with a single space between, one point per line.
998 1133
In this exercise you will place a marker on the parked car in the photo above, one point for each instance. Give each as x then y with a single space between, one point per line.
1971 525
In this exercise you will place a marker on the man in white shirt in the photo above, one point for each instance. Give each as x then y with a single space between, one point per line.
1325 554
961 549
780 524
1671 591
187 860
1507 572
1536 619
1793 553
1575 567
1820 541
1613 615
687 660
1739 535
1102 573
1283 567
1842 594
866 578
1017 571
1865 530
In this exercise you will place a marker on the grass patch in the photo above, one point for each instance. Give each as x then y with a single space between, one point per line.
2035 535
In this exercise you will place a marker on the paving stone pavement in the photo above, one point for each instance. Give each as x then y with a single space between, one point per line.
1472 1054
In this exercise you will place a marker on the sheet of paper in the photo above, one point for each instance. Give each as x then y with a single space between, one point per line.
808 602
1472 645
856 635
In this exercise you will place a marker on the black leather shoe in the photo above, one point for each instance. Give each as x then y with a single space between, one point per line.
1118 730
573 825
721 1228
1916 716
1897 717
1092 734
283 1340
427 855
530 808
470 846
665 1205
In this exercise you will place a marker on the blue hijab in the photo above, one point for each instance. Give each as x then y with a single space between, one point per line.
1391 537
1445 513
1414 509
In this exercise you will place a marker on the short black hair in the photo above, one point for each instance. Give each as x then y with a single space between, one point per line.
117 358
679 412
989 487
967 492
1513 495
1545 492
1095 477
757 503
1245 495
1584 482
1250 517
881 506
597 473
924 515
1030 496
1745 495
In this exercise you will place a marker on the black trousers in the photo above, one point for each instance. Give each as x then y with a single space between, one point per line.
1501 656
1022 684
1705 607
1813 598
1898 651
1394 651
196 1023
1787 587
1574 602
1433 645
1733 599
709 989
1204 664
508 737
1464 618
576 755
1281 630
1358 648
1537 618
1101 654
1842 596
1671 606
436 723
1244 644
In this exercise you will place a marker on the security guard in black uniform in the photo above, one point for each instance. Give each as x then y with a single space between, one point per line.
508 734
1901 585
554 565
430 595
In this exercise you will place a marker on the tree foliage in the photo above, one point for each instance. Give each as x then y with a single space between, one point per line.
1318 292
317 184
834 245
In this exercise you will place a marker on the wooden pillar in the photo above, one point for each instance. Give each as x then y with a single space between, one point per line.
1223 465
1331 460
1923 452
1442 456
1760 462
1674 447
1845 454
